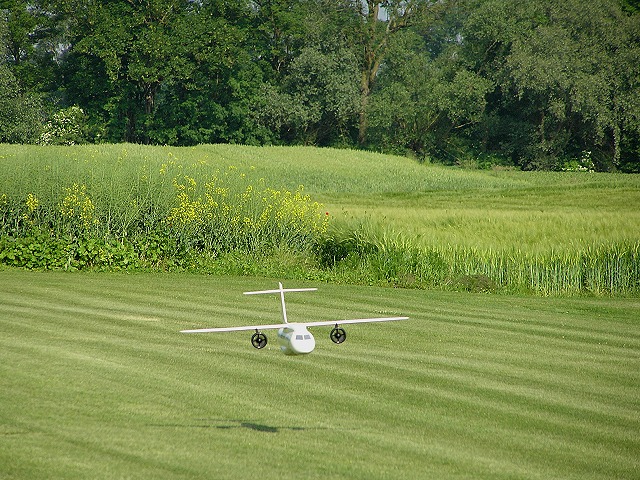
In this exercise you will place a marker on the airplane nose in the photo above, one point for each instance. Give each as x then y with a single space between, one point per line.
303 342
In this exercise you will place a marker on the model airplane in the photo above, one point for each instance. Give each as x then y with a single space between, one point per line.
294 338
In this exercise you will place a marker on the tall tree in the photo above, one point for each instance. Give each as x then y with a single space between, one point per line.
316 101
132 53
380 21
32 44
211 105
20 119
141 45
420 103
310 93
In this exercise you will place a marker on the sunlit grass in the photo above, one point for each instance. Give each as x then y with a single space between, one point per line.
505 228
422 220
97 382
110 192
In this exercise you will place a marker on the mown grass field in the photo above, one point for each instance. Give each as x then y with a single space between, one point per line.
96 382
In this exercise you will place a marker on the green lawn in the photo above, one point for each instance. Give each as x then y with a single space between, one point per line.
97 382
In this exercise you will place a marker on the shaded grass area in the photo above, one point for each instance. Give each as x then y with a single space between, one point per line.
96 381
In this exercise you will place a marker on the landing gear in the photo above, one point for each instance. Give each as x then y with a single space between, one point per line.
259 340
338 335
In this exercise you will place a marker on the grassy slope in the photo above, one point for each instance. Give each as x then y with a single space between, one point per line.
533 211
500 210
96 382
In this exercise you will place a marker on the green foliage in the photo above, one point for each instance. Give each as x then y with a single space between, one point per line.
149 215
566 76
532 84
419 104
317 100
385 259
20 120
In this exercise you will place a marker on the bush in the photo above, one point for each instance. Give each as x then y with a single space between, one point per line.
66 127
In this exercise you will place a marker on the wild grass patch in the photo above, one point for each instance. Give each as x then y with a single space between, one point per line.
150 213
299 212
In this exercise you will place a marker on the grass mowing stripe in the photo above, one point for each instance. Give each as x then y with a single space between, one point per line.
473 386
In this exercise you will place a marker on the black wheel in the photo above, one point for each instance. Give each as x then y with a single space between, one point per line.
338 335
259 340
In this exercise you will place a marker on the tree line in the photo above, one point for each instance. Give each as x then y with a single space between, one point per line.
542 84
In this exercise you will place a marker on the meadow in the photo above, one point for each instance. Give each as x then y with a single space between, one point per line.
97 382
332 215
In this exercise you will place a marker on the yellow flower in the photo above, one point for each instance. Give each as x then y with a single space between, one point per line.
77 204
32 202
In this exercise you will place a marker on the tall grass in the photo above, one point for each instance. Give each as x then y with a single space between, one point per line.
389 257
243 210
69 211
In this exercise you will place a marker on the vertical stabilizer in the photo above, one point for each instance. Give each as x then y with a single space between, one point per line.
284 308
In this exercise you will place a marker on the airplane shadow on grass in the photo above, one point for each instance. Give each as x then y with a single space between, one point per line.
221 424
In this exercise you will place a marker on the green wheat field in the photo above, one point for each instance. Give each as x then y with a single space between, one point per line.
97 382
325 214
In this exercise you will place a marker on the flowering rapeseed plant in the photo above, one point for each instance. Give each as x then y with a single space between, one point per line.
77 205
232 211
32 205
32 202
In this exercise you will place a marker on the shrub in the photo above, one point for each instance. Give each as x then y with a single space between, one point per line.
66 127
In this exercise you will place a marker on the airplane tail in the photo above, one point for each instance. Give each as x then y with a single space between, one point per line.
282 291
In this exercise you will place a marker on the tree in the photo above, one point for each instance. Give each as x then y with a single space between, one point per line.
280 32
20 120
420 103
311 73
141 45
210 104
566 76
150 71
380 21
316 101
33 43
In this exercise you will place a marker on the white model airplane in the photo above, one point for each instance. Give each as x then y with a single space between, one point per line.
294 338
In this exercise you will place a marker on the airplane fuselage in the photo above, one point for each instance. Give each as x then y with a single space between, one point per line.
295 339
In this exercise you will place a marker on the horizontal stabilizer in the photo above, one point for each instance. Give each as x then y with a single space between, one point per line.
281 291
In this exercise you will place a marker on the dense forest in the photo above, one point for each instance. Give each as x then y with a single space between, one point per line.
541 84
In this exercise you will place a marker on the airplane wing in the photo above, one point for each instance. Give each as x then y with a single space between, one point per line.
306 324
358 320
235 329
